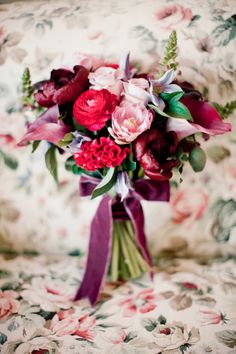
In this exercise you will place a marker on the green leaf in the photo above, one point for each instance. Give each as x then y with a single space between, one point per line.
227 337
197 159
35 145
51 162
225 110
178 110
129 165
159 111
9 161
106 184
150 324
3 338
162 320
175 96
66 140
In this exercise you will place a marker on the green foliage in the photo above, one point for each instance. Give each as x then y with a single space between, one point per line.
51 162
27 88
225 110
9 161
106 183
197 159
171 52
175 108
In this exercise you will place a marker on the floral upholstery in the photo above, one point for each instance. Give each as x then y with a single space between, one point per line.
189 308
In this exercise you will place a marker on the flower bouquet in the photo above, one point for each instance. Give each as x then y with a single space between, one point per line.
126 134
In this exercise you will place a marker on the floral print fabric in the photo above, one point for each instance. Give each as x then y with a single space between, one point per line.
188 308
200 220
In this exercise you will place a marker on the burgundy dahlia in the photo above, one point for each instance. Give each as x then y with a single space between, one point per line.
153 149
64 86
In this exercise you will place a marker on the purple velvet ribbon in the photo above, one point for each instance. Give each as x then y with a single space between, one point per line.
99 252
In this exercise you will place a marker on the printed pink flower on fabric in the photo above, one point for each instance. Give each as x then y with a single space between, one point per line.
142 302
211 317
129 121
72 322
8 303
136 91
205 120
171 15
188 205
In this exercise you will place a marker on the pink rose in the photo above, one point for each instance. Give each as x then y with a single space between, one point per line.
129 121
209 317
72 322
171 15
106 77
188 205
135 91
87 60
8 303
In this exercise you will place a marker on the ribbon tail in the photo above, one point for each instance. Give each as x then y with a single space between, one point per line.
135 211
99 252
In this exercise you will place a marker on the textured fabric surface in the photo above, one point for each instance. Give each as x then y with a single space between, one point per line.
34 213
188 308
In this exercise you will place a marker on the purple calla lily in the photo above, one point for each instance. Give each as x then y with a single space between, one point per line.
163 85
46 127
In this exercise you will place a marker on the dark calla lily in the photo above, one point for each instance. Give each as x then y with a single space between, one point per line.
205 119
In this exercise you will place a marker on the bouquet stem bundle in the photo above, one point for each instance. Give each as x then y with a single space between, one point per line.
127 261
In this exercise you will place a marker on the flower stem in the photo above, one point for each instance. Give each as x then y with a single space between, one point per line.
115 256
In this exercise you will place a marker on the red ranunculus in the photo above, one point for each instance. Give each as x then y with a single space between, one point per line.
153 149
64 86
93 108
99 154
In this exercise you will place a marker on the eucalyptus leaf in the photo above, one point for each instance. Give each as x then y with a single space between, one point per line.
197 159
106 184
51 162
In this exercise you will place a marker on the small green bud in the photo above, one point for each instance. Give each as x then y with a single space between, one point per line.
197 159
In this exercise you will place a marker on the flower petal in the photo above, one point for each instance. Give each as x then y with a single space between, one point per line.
167 78
172 88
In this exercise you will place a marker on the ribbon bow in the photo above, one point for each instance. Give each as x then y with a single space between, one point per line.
100 243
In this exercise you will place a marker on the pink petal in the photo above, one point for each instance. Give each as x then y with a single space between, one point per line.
51 132
206 120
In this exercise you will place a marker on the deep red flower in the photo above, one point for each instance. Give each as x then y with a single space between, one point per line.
64 86
188 285
93 108
153 149
99 154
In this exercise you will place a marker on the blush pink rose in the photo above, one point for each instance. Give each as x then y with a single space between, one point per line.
107 77
188 205
72 322
129 121
8 303
171 15
135 91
